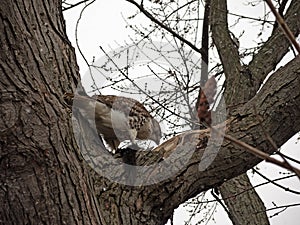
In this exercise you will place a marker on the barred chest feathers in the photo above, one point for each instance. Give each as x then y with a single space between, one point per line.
119 118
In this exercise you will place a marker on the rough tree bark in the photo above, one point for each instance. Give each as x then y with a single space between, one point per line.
248 79
244 204
44 179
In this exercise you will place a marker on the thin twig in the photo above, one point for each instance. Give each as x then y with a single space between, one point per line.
144 92
258 185
271 141
282 206
289 158
78 46
260 154
74 5
284 26
219 200
276 184
162 25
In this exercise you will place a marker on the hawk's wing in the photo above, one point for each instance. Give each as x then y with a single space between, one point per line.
136 113
129 106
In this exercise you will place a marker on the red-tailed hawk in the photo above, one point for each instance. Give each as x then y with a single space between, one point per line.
118 118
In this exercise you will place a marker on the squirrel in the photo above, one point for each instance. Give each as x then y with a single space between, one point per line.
205 99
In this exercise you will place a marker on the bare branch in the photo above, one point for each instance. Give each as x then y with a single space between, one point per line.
283 206
284 26
275 48
143 91
205 42
162 25
260 154
74 5
227 50
276 184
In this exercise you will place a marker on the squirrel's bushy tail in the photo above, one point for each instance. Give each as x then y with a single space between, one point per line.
205 99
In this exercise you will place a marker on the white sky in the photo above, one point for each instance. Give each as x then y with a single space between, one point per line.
102 24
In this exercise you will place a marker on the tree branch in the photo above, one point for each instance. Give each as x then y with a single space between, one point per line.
281 8
277 101
227 50
276 184
284 26
262 155
162 25
248 201
275 48
248 129
205 43
74 5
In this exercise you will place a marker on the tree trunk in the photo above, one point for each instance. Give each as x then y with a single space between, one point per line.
42 179
244 204
238 202
242 209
